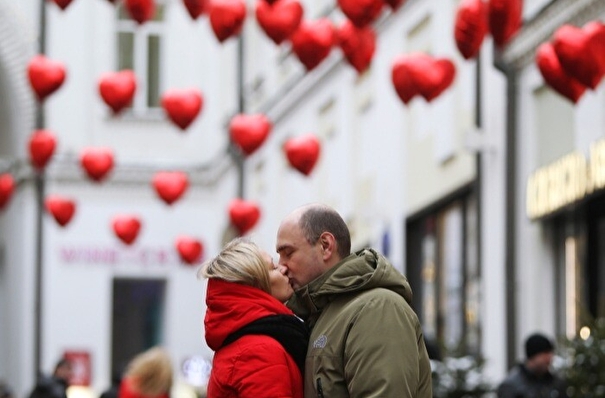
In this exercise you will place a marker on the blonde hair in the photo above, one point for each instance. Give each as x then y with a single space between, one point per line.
151 372
240 261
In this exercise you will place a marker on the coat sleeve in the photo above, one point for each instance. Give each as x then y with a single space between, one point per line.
382 357
506 390
262 370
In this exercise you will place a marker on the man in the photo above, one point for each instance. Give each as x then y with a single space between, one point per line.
533 379
366 340
56 385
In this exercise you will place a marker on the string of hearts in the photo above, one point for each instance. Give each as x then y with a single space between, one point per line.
413 75
117 90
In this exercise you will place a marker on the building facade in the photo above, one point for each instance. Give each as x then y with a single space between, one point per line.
455 190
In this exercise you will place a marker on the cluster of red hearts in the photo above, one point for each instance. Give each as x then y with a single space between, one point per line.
420 74
313 40
574 59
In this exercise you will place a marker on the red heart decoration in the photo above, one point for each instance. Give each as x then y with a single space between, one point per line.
249 131
140 10
195 8
170 185
117 89
302 152
42 144
62 3
227 18
361 12
402 79
357 44
470 27
7 186
45 75
62 209
596 32
313 41
97 162
431 76
126 228
190 249
504 18
578 53
553 74
280 19
182 106
394 4
243 214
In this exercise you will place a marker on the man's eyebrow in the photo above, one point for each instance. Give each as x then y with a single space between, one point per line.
282 248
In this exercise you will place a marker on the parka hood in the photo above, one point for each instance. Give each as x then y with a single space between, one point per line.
362 270
230 306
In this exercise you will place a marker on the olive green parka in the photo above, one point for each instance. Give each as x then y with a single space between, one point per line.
366 341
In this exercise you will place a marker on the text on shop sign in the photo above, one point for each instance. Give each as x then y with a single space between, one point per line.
566 181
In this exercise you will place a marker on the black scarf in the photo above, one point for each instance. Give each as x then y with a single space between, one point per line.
288 330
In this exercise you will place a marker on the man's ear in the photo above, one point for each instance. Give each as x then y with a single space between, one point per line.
328 245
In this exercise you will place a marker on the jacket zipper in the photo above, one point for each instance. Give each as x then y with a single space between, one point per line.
320 390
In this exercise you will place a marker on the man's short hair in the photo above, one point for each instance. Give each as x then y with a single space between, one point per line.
61 363
317 219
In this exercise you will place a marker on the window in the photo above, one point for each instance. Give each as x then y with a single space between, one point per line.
442 259
139 49
137 318
579 244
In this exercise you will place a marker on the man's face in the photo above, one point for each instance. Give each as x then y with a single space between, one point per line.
540 363
303 261
64 372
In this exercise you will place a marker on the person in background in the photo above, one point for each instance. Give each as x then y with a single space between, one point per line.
114 388
5 391
366 341
259 344
148 375
533 378
56 385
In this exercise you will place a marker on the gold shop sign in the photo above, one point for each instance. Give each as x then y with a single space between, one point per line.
566 181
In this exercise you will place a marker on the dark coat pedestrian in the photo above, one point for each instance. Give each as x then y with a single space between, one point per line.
533 378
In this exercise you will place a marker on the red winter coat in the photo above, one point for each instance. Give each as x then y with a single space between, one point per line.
253 366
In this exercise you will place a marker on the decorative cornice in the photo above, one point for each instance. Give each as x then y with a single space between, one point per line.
521 50
66 169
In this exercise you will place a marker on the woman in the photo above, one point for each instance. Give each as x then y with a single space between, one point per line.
259 344
149 375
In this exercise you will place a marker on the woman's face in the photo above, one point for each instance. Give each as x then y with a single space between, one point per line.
280 285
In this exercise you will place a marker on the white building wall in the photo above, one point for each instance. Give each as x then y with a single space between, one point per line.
569 127
363 171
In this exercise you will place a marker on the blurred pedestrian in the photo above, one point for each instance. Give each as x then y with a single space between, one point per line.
533 378
114 388
366 340
54 386
148 375
5 391
259 344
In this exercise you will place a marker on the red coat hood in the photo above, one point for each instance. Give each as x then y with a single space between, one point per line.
231 306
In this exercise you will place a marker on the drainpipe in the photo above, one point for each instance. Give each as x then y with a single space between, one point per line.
237 154
510 208
478 185
39 185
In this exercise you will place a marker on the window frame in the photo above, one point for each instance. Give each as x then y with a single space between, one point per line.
141 63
